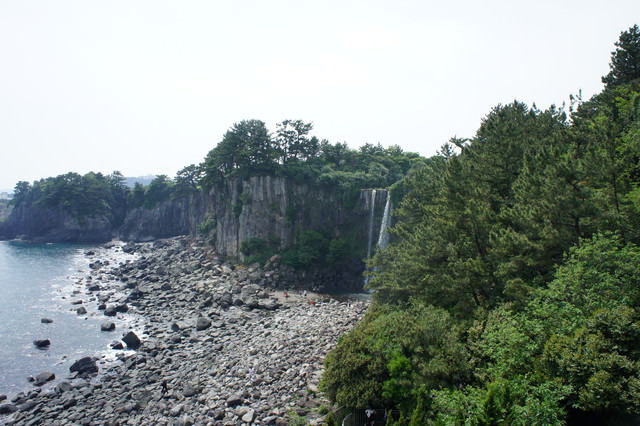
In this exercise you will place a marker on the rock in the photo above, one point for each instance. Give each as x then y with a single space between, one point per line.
249 416
203 323
117 345
86 365
122 308
190 390
110 311
81 310
176 410
28 405
132 340
8 408
42 343
43 378
235 399
46 320
107 326
63 387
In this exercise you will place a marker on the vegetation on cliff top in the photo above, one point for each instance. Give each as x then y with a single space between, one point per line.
510 294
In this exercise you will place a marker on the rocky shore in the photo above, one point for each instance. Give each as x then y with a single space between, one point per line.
215 344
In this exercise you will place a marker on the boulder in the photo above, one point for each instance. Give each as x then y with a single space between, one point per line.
42 343
8 408
46 320
43 378
81 310
107 326
117 345
249 416
132 340
203 323
110 311
86 365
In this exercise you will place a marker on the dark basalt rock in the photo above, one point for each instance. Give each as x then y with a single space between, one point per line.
43 378
107 326
132 340
86 365
42 343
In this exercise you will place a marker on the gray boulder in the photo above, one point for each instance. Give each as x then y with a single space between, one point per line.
86 365
43 378
132 340
203 323
107 326
42 343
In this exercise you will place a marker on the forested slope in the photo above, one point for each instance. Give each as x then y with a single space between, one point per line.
511 292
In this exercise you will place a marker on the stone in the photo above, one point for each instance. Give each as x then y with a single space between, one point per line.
8 408
117 345
235 399
249 416
46 320
131 340
42 343
81 310
43 378
110 311
107 326
86 365
203 323
176 410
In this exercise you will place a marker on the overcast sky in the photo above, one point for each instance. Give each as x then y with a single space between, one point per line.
148 87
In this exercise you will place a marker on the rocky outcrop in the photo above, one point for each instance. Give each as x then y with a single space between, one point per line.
55 225
168 219
278 209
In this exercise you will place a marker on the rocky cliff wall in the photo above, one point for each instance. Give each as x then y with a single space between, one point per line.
168 219
277 209
55 225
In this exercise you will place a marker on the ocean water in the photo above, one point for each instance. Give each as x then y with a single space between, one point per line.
41 281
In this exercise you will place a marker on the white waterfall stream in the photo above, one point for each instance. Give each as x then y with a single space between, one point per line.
383 235
371 212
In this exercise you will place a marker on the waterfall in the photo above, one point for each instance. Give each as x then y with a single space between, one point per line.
383 235
371 211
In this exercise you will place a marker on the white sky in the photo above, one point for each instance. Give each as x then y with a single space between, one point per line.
148 87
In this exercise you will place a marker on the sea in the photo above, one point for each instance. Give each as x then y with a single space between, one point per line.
42 281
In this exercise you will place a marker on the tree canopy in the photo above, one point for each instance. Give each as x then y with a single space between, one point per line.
525 240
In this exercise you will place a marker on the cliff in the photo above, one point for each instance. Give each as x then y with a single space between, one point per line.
54 225
276 211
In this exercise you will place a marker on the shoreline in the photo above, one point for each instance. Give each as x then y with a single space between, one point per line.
232 346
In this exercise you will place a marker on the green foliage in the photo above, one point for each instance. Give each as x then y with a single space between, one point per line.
387 358
93 194
625 60
526 239
158 191
208 227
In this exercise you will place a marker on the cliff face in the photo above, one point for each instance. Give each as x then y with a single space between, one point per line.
277 209
38 224
168 219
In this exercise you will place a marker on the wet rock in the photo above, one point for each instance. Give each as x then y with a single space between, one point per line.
86 365
107 326
43 378
131 340
110 311
42 343
8 408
